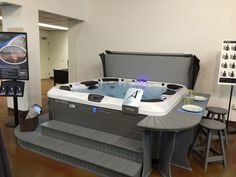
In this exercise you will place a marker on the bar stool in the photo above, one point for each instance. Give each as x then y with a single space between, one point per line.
221 114
211 126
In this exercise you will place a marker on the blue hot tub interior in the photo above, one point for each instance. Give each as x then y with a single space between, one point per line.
118 90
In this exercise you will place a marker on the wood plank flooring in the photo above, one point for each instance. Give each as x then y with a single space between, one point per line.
28 164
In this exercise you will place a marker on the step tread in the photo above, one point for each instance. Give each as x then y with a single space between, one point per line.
95 135
102 159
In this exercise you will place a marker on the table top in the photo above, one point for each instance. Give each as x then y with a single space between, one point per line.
176 120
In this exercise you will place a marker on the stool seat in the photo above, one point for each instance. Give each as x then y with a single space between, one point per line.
216 110
212 124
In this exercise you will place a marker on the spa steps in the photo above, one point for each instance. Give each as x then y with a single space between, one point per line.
105 142
99 152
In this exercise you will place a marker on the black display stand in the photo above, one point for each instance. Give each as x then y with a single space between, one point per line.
15 122
230 130
227 73
13 89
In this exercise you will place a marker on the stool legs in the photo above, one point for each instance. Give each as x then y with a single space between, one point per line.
212 116
220 117
205 156
225 130
222 148
199 130
208 114
207 149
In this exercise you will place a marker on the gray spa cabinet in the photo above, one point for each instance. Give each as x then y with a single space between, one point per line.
168 139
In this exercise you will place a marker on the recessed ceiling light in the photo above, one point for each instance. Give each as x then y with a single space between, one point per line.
49 26
53 26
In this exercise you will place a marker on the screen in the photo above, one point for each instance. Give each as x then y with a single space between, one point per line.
37 108
13 56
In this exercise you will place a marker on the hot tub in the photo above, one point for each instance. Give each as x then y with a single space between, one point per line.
98 103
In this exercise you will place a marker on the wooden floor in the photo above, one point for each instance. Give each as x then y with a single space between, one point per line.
28 164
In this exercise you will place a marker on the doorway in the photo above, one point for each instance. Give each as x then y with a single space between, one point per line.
53 48
44 56
53 52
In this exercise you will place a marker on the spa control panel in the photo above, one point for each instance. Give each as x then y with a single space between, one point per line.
95 97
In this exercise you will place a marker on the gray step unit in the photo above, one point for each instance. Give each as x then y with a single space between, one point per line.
103 164
105 142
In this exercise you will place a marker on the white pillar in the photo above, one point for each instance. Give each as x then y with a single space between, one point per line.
17 18
73 32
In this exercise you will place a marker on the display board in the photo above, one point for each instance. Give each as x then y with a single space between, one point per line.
13 56
227 70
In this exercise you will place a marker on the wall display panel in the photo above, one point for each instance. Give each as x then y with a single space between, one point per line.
227 69
13 56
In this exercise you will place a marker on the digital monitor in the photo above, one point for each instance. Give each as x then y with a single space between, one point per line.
13 56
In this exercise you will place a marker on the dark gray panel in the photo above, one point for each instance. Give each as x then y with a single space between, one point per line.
150 67
166 151
181 152
106 120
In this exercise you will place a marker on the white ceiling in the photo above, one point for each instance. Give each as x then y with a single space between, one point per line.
52 19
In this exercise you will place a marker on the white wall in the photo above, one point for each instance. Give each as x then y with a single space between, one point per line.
177 26
181 26
73 8
26 20
57 51
73 52
25 17
44 56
